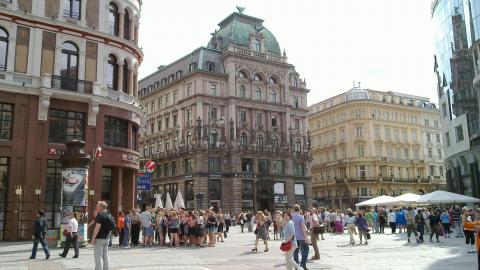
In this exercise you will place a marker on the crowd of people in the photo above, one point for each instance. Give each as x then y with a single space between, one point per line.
296 228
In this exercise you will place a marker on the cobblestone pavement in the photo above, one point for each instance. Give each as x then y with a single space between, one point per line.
383 252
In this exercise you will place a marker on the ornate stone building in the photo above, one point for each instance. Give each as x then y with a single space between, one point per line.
227 123
68 69
367 143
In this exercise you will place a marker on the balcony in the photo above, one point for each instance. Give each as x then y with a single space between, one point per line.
248 52
71 84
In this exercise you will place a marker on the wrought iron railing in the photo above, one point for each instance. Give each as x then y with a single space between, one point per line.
71 84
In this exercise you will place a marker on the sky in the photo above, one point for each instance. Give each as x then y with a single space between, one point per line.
386 45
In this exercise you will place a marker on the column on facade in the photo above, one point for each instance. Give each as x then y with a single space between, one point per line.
121 17
83 12
133 24
61 7
135 82
116 191
120 74
130 81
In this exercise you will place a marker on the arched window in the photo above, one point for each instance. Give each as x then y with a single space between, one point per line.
167 144
272 80
273 96
69 61
3 49
243 140
298 145
257 45
258 94
125 76
242 74
260 142
71 9
113 19
112 73
213 139
257 77
126 25
243 91
295 81
275 142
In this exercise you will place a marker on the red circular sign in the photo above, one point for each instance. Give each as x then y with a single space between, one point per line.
150 166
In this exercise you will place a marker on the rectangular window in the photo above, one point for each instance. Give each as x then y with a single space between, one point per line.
440 169
387 133
300 189
187 165
174 168
210 66
279 188
134 142
116 132
414 135
416 154
247 165
361 150
298 169
166 169
247 189
258 119
404 135
430 152
53 192
439 152
215 164
459 133
435 122
361 172
447 139
243 116
175 97
189 190
295 102
406 153
214 189
378 150
426 122
398 153
263 166
297 124
213 114
167 122
377 132
390 151
428 137
396 134
65 126
21 49
189 115
274 120
178 74
437 137
6 121
444 110
359 131
213 89
278 167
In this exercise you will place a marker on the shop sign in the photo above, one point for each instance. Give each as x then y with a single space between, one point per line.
215 175
129 157
280 198
144 181
55 151
188 176
246 175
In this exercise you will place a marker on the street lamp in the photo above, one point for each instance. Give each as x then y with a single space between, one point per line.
18 194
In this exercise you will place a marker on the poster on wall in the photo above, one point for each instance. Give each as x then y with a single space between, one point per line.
74 185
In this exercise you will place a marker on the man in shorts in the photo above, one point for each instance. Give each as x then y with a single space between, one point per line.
147 230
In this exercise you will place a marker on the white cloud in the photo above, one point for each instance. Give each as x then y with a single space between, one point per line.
385 44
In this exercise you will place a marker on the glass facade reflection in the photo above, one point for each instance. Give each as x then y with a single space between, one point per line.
454 64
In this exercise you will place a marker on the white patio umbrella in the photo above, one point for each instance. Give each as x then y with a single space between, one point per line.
168 202
407 198
440 196
381 200
158 201
179 201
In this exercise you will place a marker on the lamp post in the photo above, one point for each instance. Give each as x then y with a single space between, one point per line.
19 194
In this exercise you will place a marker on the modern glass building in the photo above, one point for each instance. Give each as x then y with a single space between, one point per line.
456 66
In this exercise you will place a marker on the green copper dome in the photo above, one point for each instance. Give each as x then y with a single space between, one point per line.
237 29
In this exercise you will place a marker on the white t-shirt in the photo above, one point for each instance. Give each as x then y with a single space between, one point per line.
145 218
73 225
200 220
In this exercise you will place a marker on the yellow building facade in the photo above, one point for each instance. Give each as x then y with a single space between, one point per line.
367 143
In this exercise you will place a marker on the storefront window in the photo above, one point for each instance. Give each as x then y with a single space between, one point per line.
189 191
278 167
298 169
3 192
53 191
247 190
300 189
214 189
215 164
6 121
279 188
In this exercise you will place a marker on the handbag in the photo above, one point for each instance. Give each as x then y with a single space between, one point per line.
286 246
368 235
65 232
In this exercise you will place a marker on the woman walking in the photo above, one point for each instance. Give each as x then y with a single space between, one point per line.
221 225
445 218
127 227
211 224
261 231
173 229
362 227
289 234
338 221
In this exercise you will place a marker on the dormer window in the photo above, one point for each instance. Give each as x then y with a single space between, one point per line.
192 67
210 66
257 46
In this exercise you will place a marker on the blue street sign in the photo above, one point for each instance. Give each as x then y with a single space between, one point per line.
144 181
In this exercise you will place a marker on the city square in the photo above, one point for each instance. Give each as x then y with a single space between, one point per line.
153 123
383 252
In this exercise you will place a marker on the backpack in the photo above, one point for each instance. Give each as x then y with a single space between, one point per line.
111 226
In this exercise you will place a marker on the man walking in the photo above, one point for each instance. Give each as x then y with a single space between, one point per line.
411 225
101 236
301 236
420 221
72 237
392 220
39 234
457 221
